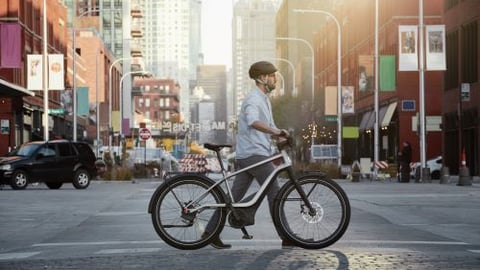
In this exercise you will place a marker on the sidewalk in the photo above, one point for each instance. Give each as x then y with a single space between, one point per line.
453 180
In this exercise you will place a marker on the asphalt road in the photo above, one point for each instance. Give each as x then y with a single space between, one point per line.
393 226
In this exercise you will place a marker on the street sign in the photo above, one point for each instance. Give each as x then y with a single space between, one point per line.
144 134
465 92
56 111
331 118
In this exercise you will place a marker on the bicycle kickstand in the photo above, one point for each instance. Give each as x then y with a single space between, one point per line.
245 234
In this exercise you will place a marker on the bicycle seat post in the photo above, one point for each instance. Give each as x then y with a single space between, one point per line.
217 148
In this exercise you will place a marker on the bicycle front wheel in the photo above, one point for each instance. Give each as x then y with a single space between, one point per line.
186 230
320 228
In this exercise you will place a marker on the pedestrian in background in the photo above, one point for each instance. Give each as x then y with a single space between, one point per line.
166 167
405 157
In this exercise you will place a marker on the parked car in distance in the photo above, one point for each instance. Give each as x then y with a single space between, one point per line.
435 165
54 163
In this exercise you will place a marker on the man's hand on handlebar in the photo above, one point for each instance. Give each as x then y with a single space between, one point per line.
282 133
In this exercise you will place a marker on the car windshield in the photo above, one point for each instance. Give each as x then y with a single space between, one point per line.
27 149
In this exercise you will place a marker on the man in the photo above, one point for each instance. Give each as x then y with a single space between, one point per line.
406 158
255 130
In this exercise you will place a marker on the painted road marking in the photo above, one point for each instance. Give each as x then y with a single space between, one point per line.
17 255
252 241
127 250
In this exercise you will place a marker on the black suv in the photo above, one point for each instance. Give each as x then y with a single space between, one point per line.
53 162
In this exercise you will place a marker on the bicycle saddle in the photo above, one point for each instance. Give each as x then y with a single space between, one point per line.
215 147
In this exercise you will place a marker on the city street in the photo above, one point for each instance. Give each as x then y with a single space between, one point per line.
393 226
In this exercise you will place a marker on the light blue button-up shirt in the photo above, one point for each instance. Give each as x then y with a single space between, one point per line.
255 107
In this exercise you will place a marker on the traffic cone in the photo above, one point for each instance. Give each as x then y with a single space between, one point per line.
464 178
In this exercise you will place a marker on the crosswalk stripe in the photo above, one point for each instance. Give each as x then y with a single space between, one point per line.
263 241
127 250
17 255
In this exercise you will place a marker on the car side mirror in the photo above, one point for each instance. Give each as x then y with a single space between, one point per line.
40 156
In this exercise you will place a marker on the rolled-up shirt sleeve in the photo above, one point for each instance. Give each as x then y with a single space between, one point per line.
251 114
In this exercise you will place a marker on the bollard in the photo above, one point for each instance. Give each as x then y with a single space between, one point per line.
464 178
445 175
418 175
426 177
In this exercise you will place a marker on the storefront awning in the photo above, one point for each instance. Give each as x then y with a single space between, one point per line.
385 115
365 120
371 121
388 114
381 113
8 89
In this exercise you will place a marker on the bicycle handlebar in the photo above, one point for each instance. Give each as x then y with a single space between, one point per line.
284 142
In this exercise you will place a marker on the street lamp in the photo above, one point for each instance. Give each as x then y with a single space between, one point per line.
294 93
110 98
143 72
45 70
339 78
282 91
74 69
97 84
313 59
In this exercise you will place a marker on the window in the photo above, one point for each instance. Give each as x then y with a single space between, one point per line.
64 149
48 150
470 53
450 4
147 102
451 74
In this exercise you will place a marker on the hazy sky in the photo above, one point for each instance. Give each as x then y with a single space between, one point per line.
217 31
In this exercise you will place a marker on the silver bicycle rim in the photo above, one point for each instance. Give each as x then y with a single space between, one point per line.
169 213
320 228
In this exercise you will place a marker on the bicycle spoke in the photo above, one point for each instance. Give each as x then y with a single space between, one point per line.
322 227
180 228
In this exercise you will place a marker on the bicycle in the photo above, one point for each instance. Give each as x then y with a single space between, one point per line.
311 210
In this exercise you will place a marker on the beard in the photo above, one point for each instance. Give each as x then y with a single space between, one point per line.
270 87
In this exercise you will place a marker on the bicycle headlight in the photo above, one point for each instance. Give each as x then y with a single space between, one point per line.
5 167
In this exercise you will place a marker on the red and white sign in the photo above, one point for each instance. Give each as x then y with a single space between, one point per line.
381 164
144 134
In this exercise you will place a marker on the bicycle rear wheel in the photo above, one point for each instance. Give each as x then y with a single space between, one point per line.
180 230
312 231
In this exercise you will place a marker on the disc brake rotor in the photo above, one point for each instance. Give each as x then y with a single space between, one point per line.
318 213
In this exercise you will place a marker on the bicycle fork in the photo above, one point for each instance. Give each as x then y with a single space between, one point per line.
311 210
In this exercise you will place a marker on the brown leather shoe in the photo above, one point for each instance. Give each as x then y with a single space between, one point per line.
216 242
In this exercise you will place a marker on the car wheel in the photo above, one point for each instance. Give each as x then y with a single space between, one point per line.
54 185
19 180
81 179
